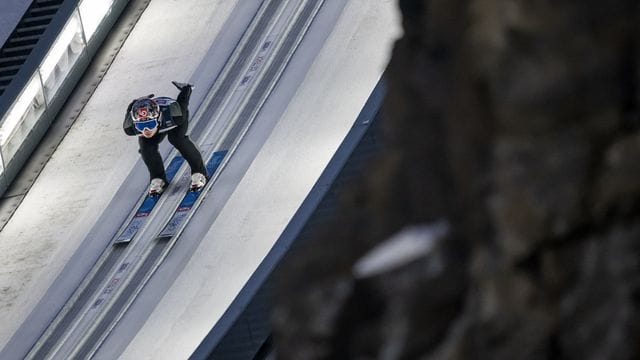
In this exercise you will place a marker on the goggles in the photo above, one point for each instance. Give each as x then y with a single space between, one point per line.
146 124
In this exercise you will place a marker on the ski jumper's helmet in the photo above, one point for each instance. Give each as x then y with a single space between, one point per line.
145 109
145 113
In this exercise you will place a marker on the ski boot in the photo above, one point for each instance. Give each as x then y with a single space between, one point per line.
198 181
156 187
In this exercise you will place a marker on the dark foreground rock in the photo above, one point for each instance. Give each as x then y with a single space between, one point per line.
515 123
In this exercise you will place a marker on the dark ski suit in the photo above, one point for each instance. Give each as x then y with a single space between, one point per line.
173 122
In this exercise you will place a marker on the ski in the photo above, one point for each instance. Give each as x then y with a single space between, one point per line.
180 215
144 210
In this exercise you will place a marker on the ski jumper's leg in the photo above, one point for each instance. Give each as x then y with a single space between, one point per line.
189 150
151 156
179 139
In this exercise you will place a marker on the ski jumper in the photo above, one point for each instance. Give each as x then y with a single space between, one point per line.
173 122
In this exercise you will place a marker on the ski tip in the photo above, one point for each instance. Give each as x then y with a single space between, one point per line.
121 242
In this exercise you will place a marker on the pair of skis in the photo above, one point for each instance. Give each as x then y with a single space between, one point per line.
182 211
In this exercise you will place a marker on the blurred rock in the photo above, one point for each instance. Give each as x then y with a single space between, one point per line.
518 122
618 183
598 316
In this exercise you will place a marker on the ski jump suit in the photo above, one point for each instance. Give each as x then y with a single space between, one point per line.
173 122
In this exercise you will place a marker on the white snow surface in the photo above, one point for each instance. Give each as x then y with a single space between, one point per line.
95 157
409 244
62 206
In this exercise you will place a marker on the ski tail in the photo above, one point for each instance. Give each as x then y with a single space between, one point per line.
189 202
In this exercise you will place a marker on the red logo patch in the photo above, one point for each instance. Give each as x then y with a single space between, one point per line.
143 113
